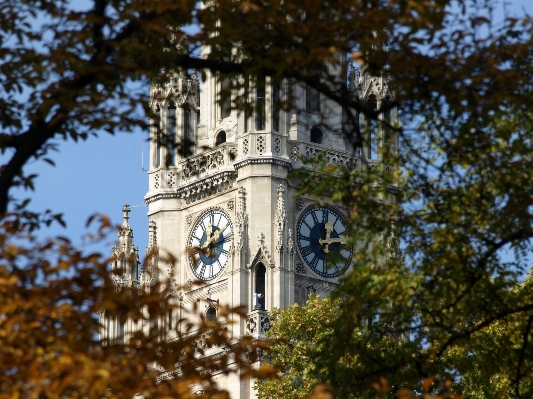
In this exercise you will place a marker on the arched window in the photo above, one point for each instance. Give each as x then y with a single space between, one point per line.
171 135
121 333
275 108
221 138
316 135
312 100
211 314
260 104
260 284
225 103
159 128
388 143
371 130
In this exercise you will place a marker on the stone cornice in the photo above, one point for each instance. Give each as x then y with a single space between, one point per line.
206 186
263 160
159 194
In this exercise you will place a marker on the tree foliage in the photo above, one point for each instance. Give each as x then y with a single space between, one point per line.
51 297
298 334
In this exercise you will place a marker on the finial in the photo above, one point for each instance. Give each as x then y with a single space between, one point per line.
126 209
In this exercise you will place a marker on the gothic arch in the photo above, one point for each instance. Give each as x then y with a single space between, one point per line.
317 135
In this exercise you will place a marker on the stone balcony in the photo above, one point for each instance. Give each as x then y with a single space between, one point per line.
207 173
207 163
300 151
258 323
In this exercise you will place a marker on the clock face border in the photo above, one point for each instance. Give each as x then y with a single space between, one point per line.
312 253
209 268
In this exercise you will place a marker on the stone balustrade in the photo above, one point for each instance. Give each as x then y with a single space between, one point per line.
207 163
258 323
304 150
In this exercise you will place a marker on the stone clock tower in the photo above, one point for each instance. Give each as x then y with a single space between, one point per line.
232 199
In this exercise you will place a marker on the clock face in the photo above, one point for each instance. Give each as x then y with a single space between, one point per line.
322 243
211 235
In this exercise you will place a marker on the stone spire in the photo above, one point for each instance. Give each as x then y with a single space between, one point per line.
125 254
125 234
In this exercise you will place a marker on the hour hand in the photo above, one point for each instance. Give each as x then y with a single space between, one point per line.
326 242
214 237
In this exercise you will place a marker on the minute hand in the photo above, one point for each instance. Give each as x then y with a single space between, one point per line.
214 237
328 240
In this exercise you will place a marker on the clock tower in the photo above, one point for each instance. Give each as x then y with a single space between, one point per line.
227 211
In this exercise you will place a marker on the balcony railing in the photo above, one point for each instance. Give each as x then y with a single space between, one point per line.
208 163
258 323
302 150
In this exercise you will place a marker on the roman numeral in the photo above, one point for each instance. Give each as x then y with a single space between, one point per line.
345 260
310 228
307 250
314 262
325 215
314 217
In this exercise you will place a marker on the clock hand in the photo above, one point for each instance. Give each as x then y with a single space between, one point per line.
218 233
328 240
208 232
214 237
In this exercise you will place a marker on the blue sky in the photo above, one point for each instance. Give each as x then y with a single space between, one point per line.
102 173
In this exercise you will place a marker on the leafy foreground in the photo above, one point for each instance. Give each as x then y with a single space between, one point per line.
50 298
444 247
304 336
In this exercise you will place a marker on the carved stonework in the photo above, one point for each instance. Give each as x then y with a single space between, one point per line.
147 276
245 146
241 219
262 254
202 164
179 88
258 322
334 158
364 85
188 220
231 205
206 187
290 242
280 218
171 178
125 255
295 153
260 144
300 268
300 204
277 145
156 180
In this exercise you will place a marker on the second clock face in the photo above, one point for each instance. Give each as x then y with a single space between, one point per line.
212 236
322 243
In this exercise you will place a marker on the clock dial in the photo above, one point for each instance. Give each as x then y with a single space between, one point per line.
322 243
211 235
